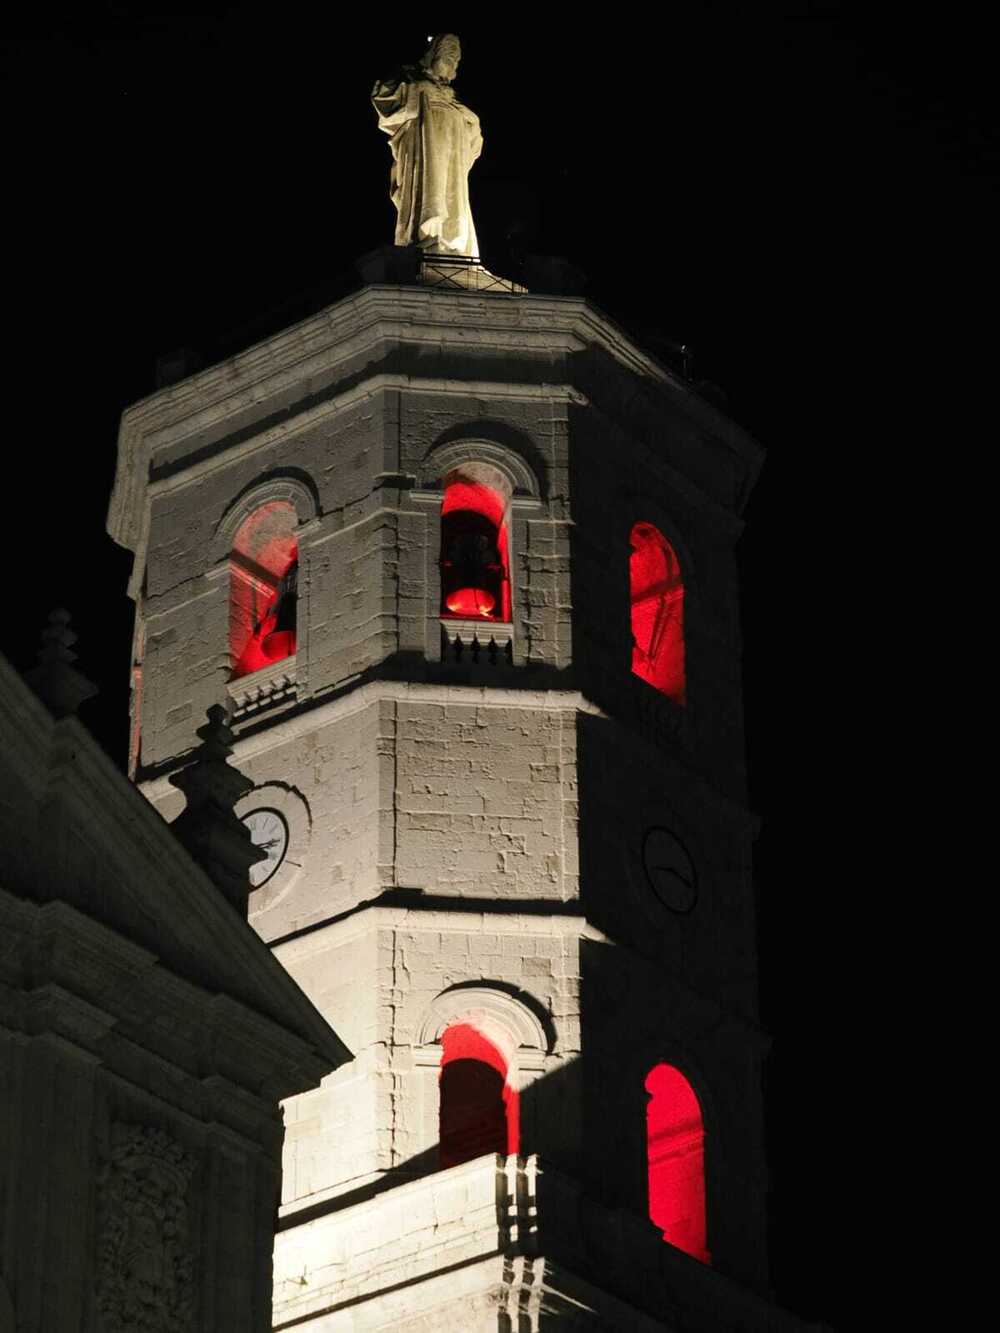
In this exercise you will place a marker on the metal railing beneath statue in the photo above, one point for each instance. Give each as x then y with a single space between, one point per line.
461 272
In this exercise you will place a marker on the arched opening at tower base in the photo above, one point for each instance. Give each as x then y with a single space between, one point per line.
675 1140
478 1107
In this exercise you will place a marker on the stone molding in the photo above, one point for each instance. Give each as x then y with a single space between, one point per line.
509 1024
88 987
323 349
291 490
460 1002
444 458
334 934
128 518
372 692
270 687
150 886
479 643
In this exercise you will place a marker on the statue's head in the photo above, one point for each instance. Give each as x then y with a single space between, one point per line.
442 57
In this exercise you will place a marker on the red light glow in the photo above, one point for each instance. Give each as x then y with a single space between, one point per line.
475 497
470 602
657 593
479 1109
264 551
676 1158
475 571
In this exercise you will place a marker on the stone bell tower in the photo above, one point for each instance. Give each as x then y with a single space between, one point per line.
461 561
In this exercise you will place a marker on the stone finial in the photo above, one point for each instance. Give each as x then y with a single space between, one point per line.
208 826
55 679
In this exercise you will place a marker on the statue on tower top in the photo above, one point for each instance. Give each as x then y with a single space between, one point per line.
434 141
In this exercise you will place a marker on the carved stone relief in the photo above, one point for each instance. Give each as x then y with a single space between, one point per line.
145 1253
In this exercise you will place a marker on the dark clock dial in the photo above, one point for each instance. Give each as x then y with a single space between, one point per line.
670 873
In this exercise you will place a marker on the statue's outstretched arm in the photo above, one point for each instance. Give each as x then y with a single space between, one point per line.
396 102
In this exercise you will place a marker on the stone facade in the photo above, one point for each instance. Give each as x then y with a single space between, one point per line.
467 819
147 1038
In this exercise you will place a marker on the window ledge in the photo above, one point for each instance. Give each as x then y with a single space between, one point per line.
263 689
477 642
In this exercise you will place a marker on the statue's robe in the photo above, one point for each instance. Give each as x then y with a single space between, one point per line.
434 141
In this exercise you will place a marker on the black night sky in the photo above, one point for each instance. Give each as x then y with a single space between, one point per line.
772 184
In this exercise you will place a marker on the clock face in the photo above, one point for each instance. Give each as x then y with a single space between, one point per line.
268 831
670 872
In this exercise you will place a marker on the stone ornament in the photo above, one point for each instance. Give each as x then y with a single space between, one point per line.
434 141
207 826
145 1255
55 679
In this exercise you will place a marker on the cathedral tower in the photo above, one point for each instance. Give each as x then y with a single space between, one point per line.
463 565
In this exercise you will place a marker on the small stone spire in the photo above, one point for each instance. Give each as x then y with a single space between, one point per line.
55 679
208 826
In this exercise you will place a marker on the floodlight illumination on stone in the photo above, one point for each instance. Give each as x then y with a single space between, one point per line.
515 876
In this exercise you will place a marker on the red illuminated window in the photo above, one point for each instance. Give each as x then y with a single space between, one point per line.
263 578
475 572
657 612
479 1108
675 1141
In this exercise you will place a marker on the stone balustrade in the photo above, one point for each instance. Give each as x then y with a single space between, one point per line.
496 1243
263 690
482 643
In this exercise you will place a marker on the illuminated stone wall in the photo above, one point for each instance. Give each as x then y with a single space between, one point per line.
473 833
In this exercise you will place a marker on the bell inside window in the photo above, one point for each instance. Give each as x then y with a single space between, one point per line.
264 569
475 583
276 630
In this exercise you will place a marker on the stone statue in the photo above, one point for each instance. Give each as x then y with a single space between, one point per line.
434 141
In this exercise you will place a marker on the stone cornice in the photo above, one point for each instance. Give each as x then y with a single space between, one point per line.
311 357
146 887
509 918
85 984
369 917
352 698
355 699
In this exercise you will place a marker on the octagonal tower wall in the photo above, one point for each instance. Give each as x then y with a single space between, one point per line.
468 818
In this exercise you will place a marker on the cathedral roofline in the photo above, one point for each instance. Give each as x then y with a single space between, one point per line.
147 886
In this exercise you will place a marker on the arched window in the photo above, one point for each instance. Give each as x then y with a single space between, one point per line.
675 1150
263 580
657 612
475 568
479 1108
